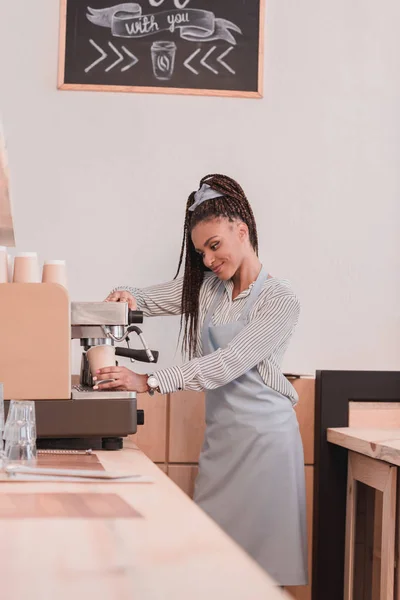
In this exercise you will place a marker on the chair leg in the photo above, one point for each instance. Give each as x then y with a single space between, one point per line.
351 504
388 536
380 476
397 546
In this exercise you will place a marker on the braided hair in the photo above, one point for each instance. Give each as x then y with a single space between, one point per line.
233 205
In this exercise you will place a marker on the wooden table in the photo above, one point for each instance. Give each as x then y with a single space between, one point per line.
382 444
122 541
374 458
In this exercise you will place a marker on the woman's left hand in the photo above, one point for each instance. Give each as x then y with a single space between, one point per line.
124 380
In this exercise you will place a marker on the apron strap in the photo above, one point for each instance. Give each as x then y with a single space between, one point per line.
255 292
213 306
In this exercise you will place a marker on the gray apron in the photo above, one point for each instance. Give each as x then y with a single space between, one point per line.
251 467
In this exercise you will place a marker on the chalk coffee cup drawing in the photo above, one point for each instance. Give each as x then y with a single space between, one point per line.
26 268
54 271
163 59
100 357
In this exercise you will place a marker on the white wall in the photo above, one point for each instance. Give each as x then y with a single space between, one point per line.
101 179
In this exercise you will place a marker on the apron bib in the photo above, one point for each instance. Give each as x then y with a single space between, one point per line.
251 467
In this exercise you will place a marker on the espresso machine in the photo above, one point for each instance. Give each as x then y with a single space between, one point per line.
99 323
37 324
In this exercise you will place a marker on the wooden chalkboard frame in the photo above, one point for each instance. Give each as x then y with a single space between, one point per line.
157 90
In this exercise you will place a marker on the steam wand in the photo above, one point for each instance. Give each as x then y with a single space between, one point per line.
131 328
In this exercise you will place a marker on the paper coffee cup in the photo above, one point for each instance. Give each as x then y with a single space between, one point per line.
54 271
26 268
100 357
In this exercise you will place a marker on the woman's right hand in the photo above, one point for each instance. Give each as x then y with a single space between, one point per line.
122 296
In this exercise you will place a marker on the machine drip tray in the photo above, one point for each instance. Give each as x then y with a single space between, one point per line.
83 392
94 443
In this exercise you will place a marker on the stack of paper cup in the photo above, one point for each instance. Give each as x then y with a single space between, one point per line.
26 268
3 265
54 271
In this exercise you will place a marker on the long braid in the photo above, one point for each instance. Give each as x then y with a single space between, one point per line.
232 205
185 232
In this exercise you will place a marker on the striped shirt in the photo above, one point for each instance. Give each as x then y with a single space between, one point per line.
261 343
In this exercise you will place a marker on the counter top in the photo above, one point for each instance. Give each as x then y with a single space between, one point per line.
382 444
122 541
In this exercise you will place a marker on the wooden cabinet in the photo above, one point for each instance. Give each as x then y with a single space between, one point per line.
187 425
152 436
303 592
184 476
305 411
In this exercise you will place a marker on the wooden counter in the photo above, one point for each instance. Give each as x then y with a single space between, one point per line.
382 444
122 541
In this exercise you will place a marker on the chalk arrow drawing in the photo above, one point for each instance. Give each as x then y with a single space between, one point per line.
96 62
103 56
203 61
131 64
188 62
221 56
119 59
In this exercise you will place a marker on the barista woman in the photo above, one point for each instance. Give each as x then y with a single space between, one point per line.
237 323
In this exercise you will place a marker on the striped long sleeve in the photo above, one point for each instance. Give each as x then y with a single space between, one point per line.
262 342
257 342
158 300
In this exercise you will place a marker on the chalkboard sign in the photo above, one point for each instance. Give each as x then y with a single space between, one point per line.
204 47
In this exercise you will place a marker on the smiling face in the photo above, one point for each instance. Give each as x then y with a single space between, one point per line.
223 245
